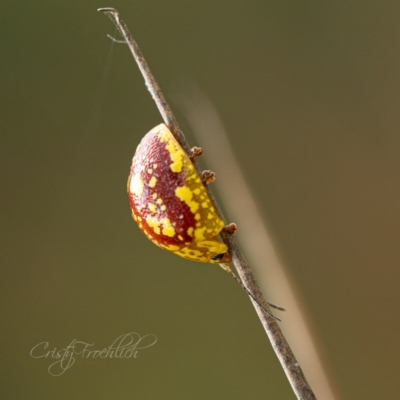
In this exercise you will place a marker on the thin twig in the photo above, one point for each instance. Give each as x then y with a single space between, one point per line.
282 349
254 238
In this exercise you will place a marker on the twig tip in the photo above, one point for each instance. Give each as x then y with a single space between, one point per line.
108 10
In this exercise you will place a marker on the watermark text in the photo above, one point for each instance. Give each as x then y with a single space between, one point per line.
128 345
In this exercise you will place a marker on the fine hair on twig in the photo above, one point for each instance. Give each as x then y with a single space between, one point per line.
226 268
116 40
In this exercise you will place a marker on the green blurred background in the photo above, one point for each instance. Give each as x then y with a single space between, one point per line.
309 94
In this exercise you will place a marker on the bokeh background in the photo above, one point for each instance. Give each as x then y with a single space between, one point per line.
309 94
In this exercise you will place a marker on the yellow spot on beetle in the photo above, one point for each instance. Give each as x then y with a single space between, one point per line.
163 207
137 185
155 196
171 247
152 207
186 195
162 134
204 204
190 231
154 223
176 154
150 171
199 233
159 201
153 181
168 229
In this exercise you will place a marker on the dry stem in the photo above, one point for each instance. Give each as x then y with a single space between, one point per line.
282 349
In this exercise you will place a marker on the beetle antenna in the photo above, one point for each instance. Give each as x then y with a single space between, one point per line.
226 268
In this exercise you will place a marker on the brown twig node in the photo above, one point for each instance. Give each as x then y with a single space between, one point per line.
282 349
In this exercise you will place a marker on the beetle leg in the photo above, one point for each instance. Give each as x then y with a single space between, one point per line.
230 228
195 152
207 176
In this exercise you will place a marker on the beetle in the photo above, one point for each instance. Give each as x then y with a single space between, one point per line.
169 202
